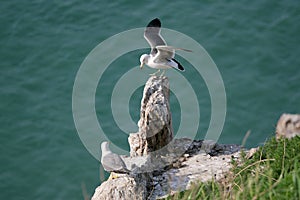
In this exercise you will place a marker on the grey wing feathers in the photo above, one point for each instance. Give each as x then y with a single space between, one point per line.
171 48
114 162
152 34
164 54
159 47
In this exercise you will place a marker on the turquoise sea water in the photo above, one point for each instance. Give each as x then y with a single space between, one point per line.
43 43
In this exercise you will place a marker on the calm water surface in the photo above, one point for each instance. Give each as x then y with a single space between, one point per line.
255 46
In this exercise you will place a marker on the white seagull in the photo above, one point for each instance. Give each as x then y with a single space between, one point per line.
161 55
112 162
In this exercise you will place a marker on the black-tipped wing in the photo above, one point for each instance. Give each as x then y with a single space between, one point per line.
179 66
167 53
152 35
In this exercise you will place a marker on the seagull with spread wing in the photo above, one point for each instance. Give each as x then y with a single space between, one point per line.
112 162
161 55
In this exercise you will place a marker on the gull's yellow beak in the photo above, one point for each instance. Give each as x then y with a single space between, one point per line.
141 66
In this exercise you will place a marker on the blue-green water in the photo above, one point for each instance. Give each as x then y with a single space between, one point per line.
43 43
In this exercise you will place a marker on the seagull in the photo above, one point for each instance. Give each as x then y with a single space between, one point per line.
161 55
112 162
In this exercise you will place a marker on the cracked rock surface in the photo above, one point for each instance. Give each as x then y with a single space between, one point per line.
159 164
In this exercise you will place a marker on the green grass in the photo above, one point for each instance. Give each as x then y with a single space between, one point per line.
272 173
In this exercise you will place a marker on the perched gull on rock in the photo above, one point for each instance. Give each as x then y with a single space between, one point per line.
161 55
112 162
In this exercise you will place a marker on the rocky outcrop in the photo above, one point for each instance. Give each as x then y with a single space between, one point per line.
155 124
198 163
157 178
158 163
123 187
288 126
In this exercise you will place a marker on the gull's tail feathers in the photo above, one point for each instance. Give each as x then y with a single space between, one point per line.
177 65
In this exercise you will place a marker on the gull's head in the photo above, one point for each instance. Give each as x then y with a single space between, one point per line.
143 60
104 147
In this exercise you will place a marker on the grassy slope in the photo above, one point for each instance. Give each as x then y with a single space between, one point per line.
272 173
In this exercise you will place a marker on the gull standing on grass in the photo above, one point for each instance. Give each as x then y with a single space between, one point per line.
161 55
112 162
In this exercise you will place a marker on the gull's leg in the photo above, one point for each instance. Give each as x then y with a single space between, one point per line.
155 73
163 72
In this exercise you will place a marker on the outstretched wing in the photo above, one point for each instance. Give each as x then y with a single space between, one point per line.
152 35
164 54
171 48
